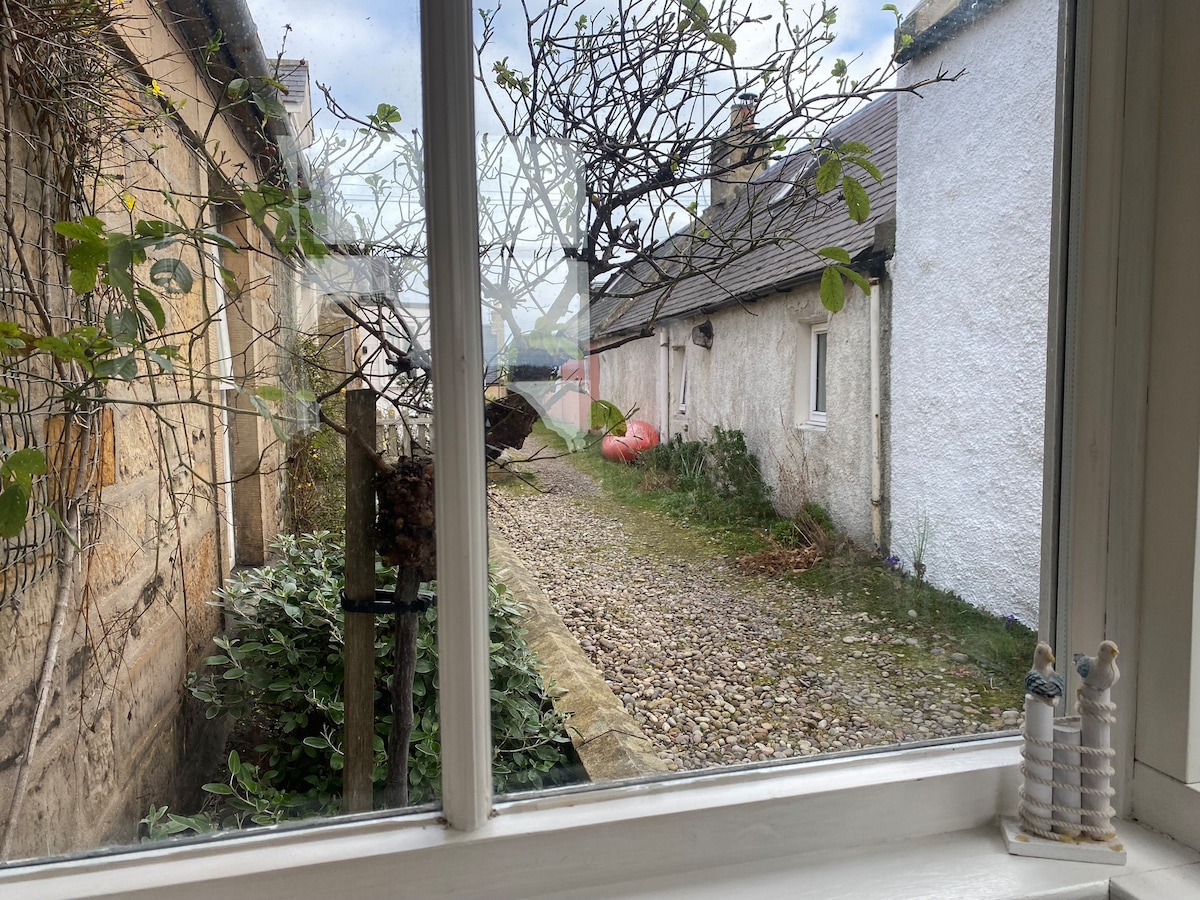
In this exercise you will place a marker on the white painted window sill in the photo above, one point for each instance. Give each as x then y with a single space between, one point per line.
811 426
918 823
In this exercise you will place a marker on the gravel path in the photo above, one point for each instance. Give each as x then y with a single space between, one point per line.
718 667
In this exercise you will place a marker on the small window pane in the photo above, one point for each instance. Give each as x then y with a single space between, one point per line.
820 340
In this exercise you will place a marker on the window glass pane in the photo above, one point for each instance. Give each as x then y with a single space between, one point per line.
243 230
820 340
834 544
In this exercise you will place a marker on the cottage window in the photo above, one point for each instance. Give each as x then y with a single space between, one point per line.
765 831
683 384
817 375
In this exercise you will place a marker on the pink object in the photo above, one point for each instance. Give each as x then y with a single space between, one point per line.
638 436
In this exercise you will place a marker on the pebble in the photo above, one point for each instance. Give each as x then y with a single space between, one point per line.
719 668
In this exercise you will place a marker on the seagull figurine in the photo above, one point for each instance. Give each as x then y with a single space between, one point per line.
1099 672
1042 681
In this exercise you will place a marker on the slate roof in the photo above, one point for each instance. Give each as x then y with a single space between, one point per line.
293 75
761 243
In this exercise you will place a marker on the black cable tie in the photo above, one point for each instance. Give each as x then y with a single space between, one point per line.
385 603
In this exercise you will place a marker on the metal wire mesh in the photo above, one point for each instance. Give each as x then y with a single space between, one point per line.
44 86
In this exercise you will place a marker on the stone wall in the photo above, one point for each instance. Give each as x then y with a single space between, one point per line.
120 732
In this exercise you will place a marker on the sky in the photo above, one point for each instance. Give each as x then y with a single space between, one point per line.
368 52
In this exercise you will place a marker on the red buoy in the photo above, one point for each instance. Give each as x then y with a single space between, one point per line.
638 436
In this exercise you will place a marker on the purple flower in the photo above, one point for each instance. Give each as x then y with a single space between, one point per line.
893 561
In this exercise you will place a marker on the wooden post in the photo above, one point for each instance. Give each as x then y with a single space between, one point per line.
404 672
359 684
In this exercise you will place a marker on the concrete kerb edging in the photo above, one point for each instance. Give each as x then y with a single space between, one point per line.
609 743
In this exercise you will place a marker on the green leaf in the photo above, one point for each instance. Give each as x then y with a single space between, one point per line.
270 392
29 461
75 231
89 253
123 367
828 174
216 787
857 201
857 278
837 254
172 275
83 277
14 508
854 148
306 396
237 88
147 299
869 167
161 361
256 206
120 264
122 326
269 106
156 230
833 290
228 280
212 236
235 762
723 40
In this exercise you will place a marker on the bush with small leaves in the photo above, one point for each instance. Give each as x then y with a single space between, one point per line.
279 673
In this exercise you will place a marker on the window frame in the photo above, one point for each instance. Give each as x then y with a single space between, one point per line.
818 374
681 406
763 812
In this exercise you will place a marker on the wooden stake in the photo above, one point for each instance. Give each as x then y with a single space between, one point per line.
359 684
406 625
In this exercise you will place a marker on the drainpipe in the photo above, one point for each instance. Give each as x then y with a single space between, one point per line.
664 384
876 423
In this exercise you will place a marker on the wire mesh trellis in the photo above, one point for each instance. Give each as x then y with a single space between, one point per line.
50 63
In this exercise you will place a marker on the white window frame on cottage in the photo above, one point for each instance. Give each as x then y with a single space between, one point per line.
683 385
1122 431
818 375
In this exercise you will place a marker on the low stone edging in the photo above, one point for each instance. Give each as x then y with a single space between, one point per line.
609 743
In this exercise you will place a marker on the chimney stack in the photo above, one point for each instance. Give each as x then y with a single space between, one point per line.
734 160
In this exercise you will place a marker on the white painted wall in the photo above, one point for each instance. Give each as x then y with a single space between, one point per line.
754 378
969 308
629 378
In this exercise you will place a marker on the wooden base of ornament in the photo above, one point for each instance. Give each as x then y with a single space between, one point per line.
1019 843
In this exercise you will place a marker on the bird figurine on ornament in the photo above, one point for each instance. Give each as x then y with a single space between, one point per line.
1042 681
1099 672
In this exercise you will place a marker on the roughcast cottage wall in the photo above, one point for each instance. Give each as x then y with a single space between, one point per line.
755 378
969 308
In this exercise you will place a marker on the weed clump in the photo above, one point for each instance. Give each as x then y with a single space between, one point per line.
717 481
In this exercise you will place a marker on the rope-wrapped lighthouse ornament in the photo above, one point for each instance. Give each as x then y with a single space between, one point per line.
1065 809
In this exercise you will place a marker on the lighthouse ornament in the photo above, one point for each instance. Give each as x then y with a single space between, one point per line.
1065 807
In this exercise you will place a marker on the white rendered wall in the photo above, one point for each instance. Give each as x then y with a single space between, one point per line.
629 378
754 378
969 308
